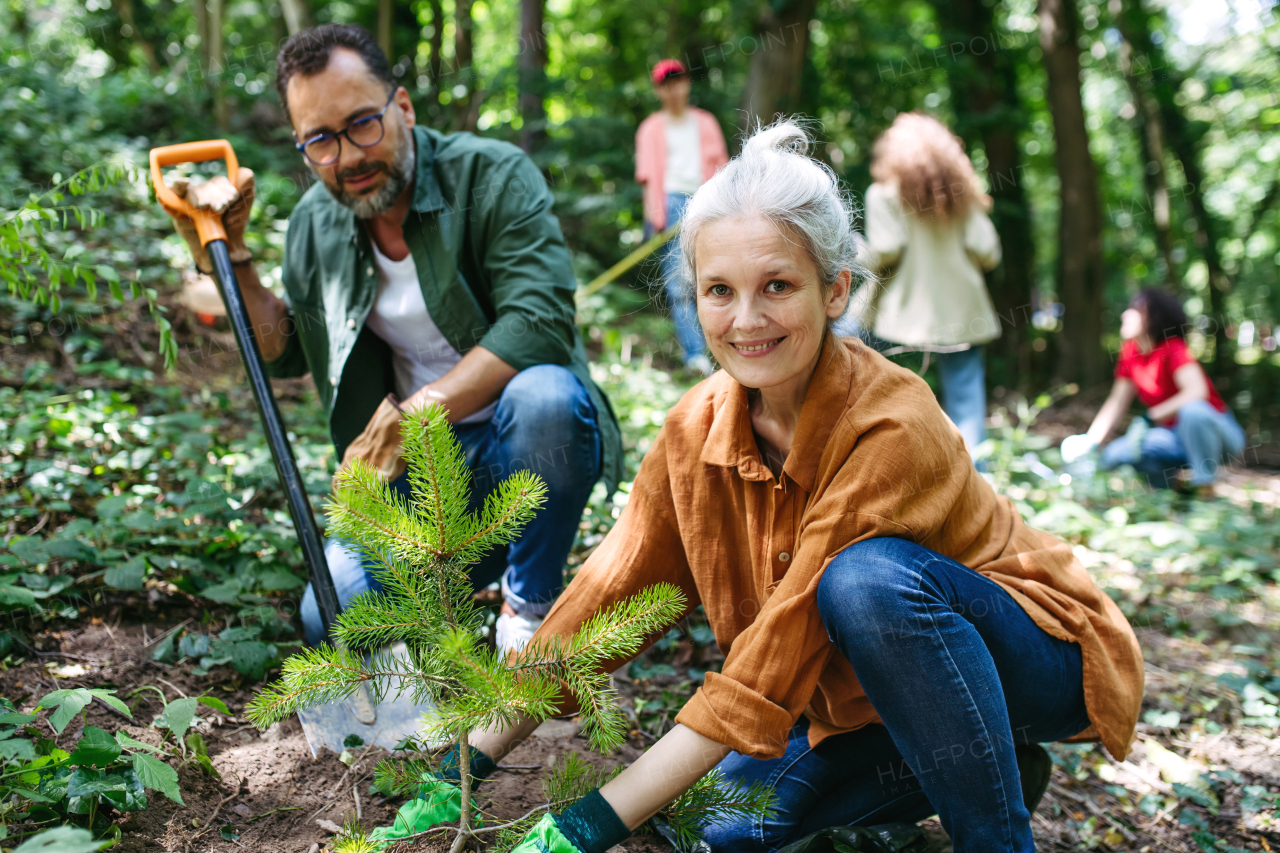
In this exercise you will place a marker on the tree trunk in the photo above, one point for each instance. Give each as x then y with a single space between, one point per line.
124 8
462 57
384 30
297 15
773 80
1154 178
532 68
436 48
217 66
984 92
1183 138
202 31
1080 270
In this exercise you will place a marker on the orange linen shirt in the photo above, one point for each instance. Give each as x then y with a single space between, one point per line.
873 456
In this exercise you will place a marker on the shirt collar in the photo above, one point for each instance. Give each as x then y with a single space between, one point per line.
732 444
427 196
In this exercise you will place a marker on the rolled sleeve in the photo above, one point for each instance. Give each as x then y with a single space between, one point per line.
531 278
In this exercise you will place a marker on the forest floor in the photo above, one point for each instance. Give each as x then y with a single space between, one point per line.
1197 580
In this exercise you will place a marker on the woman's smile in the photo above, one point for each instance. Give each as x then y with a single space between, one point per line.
753 349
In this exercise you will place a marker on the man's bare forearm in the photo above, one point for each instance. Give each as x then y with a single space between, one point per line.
472 384
267 312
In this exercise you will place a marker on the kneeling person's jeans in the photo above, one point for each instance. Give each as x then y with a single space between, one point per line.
1202 440
960 675
545 422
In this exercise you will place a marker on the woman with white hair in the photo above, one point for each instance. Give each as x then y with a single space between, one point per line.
894 635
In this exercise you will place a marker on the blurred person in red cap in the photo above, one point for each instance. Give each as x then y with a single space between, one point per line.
678 148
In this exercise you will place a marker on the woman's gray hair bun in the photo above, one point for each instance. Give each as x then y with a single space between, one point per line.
775 177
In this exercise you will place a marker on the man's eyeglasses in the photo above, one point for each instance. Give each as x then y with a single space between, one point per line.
325 148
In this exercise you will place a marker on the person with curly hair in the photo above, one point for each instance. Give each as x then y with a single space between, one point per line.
1187 424
929 239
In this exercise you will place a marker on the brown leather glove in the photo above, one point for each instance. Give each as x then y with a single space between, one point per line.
216 194
379 444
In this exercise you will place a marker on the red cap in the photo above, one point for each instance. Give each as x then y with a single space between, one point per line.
667 69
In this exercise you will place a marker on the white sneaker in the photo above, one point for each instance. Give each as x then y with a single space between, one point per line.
511 633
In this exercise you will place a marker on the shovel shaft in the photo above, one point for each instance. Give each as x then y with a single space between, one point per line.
281 451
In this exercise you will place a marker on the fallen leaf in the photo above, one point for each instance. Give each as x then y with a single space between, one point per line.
1174 768
328 826
242 810
66 670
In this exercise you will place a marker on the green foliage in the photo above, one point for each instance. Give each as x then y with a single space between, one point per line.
31 272
714 797
126 493
61 839
42 783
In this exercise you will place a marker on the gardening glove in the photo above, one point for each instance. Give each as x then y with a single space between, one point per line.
588 826
1076 447
379 444
480 765
216 194
438 802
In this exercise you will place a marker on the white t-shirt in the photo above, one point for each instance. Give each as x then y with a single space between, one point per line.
421 354
683 173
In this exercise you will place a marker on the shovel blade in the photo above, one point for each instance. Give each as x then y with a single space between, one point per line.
327 726
385 723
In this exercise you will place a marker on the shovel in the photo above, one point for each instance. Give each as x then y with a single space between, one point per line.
390 722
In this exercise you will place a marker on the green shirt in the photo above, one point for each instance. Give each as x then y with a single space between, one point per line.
493 267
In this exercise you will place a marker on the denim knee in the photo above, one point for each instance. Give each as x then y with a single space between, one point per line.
544 397
864 590
1196 413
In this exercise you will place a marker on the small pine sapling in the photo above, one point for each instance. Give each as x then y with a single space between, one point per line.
423 546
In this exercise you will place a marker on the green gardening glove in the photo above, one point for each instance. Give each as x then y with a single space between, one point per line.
546 837
588 826
437 802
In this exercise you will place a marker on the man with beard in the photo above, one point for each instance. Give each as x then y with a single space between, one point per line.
425 267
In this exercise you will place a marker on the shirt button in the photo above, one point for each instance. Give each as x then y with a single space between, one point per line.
351 323
333 380
784 556
368 270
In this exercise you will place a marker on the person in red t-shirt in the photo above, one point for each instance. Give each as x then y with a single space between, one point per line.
1187 424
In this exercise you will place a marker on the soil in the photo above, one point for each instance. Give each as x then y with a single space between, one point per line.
271 789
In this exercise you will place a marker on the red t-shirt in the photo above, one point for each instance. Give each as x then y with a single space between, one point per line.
1152 372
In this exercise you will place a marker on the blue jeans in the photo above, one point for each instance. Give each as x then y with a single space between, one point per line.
683 311
959 674
964 392
545 422
1202 439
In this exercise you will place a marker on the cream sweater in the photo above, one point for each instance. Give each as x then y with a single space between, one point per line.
935 295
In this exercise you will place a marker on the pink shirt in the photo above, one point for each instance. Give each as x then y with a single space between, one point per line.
651 159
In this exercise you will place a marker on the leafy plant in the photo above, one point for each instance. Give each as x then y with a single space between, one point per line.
41 783
33 273
424 545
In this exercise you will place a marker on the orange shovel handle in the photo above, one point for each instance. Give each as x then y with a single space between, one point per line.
208 223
